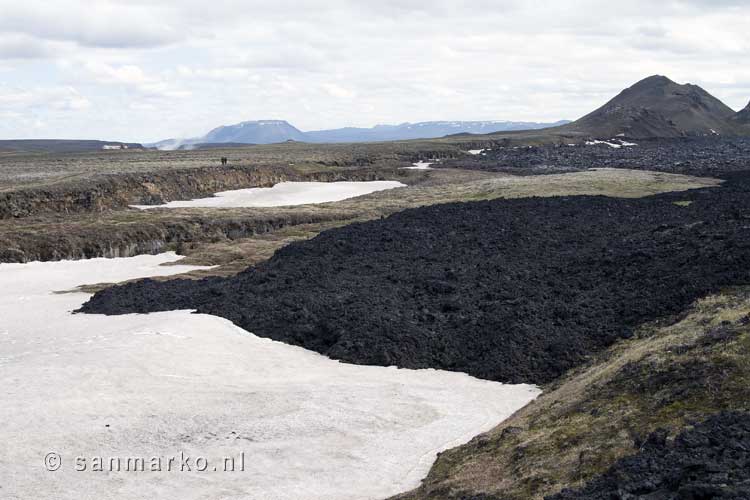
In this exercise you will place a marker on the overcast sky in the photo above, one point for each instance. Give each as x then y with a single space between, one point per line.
148 70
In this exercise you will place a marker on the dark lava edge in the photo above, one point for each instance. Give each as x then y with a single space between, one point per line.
508 290
710 460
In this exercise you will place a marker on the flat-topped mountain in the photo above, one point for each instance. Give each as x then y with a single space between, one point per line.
254 132
659 107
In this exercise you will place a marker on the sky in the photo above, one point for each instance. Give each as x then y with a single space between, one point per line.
145 70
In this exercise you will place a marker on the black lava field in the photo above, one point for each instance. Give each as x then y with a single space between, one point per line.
709 156
508 290
711 460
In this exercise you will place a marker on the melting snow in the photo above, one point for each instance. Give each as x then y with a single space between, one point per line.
420 165
283 194
160 384
617 145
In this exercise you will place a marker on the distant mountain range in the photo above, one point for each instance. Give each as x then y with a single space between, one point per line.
274 131
655 107
659 107
423 130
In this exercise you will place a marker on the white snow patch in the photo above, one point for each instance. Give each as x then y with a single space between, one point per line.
610 144
283 194
475 151
617 145
160 384
420 165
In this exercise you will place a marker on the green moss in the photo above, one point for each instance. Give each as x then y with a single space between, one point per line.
671 374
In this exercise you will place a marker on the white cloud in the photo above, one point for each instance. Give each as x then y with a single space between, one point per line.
336 63
89 23
338 91
127 74
17 46
55 98
132 77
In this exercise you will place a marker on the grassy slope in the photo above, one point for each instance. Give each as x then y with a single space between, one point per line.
668 376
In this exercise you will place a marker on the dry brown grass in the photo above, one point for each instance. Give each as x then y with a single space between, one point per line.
24 170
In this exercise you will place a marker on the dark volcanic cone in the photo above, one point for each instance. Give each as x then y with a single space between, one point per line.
658 107
743 117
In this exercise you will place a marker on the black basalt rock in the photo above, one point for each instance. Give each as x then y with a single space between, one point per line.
711 460
509 290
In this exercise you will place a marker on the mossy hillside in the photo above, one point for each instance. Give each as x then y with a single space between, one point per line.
667 377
